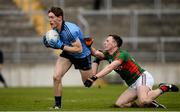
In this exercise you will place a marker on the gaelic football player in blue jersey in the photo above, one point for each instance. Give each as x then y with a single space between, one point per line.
74 51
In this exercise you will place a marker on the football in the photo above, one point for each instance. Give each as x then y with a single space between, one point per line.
52 34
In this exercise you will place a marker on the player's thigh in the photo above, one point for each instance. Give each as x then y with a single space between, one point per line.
145 79
127 96
142 91
143 97
85 74
62 66
1 67
144 85
84 66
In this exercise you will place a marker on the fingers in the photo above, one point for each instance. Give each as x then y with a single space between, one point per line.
45 42
52 43
89 81
56 45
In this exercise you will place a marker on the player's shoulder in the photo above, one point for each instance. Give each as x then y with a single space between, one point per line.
124 53
71 25
71 28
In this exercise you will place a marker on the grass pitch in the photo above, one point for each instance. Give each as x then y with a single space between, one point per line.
75 99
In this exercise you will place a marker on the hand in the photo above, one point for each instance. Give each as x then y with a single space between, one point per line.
56 45
88 41
45 42
89 81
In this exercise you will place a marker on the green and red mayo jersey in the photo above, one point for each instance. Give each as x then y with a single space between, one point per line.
129 70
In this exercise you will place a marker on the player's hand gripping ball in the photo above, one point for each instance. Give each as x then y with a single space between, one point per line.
51 39
52 35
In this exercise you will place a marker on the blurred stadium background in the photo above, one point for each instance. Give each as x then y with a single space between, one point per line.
150 29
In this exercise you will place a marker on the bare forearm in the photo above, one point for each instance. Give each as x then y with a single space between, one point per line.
104 72
97 53
94 68
108 68
73 49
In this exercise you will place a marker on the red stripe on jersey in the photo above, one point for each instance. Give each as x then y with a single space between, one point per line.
131 67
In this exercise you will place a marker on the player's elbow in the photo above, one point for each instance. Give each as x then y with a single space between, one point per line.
76 50
79 50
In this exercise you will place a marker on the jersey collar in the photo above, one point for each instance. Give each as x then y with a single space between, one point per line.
62 26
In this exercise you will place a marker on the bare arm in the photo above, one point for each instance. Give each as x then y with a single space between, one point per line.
109 68
95 68
75 48
97 53
105 71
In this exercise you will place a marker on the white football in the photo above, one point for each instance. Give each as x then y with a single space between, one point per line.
52 34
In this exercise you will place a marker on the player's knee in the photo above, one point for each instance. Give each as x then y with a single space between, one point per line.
144 101
57 78
119 105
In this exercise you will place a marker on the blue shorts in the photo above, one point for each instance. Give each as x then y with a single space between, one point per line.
79 63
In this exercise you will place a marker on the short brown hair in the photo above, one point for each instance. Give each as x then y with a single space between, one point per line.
118 39
57 11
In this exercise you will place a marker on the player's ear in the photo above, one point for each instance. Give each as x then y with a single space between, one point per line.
114 43
60 18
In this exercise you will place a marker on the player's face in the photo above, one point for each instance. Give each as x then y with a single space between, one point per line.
109 43
54 20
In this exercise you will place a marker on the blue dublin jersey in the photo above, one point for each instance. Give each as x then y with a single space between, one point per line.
70 33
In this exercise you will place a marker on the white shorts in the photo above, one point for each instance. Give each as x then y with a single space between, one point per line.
145 79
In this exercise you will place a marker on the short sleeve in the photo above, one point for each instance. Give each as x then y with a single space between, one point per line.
123 56
75 36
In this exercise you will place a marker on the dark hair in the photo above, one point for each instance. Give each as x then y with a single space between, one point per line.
118 39
57 11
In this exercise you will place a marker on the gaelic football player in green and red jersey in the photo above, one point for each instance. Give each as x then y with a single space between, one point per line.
139 81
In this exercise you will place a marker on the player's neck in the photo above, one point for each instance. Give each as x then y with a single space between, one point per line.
59 27
111 52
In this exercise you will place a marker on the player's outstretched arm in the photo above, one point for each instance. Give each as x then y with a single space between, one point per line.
105 71
109 68
90 80
97 53
95 65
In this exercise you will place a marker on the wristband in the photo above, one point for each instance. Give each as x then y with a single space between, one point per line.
94 77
